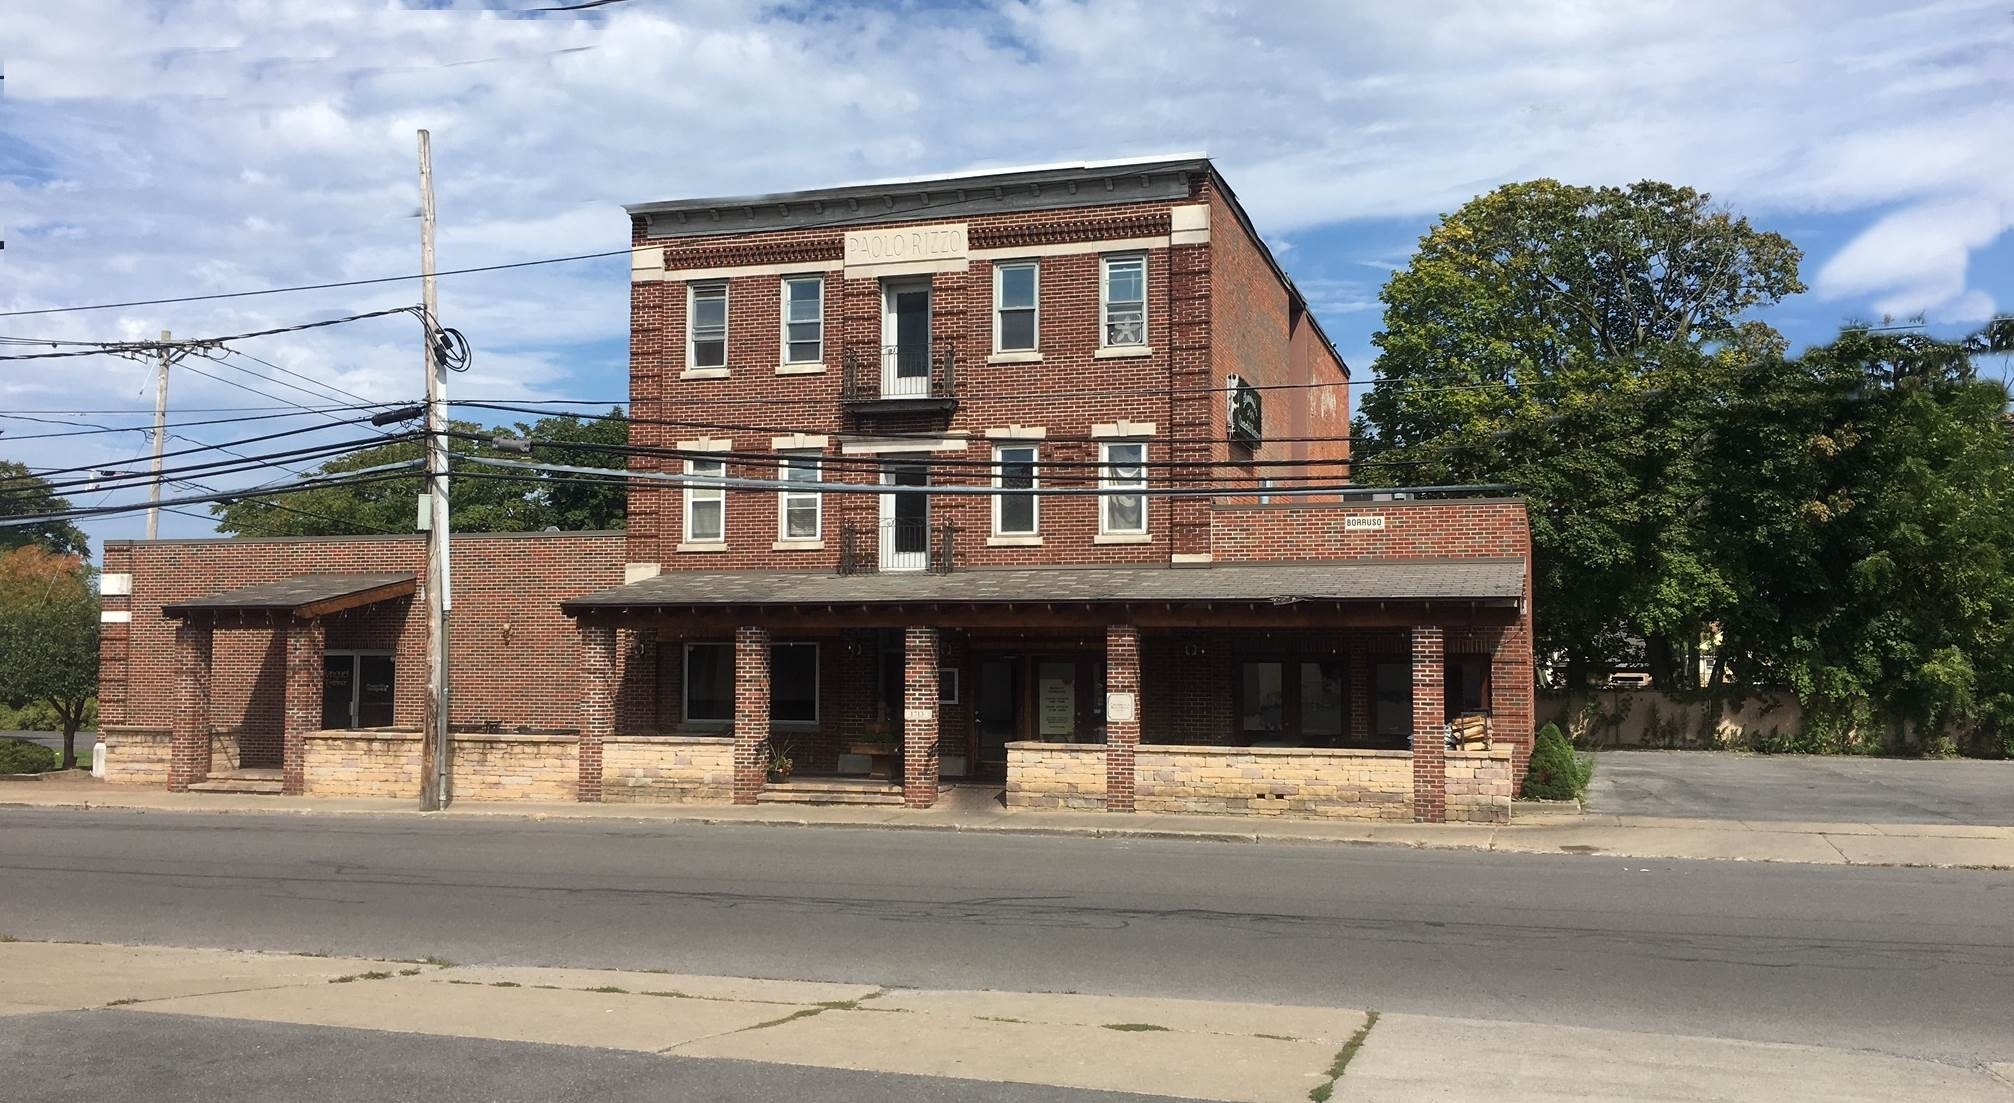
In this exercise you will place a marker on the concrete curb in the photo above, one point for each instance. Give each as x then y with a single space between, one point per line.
1903 846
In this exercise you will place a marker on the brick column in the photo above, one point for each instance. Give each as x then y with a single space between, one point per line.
597 705
919 717
1513 703
1363 696
1122 736
636 681
751 713
307 645
1430 757
189 743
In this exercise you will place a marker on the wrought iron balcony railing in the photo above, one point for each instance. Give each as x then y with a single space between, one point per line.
911 377
892 546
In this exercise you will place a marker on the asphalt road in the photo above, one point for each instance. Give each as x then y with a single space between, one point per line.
1907 961
1718 785
91 1056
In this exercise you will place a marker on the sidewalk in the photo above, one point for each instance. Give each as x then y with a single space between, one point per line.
1192 1049
972 808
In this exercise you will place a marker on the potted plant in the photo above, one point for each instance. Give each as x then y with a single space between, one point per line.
779 763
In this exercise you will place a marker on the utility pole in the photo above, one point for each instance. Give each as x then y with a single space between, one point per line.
160 438
435 753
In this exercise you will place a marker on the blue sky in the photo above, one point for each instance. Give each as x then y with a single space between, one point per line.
150 150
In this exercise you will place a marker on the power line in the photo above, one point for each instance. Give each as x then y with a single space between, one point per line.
354 478
115 348
239 463
96 430
200 447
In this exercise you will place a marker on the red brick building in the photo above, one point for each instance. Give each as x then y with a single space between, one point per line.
996 476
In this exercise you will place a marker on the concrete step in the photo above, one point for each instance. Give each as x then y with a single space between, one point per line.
229 784
832 792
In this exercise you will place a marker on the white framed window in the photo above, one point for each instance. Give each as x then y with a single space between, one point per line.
798 510
709 683
1016 511
1125 466
1122 302
803 319
1016 294
705 506
706 326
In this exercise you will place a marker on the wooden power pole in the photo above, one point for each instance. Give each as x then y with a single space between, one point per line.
160 438
438 746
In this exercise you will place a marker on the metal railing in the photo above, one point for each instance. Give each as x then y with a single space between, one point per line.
897 546
895 372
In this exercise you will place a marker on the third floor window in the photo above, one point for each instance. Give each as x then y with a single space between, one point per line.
706 343
803 320
1123 302
1015 291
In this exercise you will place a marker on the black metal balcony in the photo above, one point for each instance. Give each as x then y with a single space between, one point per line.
899 379
897 546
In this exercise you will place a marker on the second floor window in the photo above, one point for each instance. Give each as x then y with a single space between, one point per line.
1015 512
798 515
705 506
1125 467
803 320
1123 302
1015 289
706 327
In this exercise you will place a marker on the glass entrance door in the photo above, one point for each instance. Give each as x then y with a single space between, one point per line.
998 692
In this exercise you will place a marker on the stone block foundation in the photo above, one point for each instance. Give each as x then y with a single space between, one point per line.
135 756
1056 775
516 767
1479 785
361 764
1285 781
667 769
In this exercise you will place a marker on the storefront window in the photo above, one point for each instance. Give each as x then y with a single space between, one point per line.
1294 704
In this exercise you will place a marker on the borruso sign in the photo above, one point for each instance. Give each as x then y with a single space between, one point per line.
945 241
1364 522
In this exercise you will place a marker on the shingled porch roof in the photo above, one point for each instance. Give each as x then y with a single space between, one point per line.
306 596
1468 582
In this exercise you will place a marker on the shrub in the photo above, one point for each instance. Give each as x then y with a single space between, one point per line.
18 756
1555 773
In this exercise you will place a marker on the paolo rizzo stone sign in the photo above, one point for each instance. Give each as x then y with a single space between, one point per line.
906 245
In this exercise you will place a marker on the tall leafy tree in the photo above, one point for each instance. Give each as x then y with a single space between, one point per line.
1568 340
26 495
1878 528
481 502
49 636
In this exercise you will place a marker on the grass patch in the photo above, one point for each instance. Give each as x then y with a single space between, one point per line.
1277 1037
124 1002
465 982
998 1019
373 975
610 990
1134 1026
505 984
1320 1093
669 995
8 938
840 1005
800 1013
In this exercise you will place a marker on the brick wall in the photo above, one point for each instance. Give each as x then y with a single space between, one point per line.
516 767
1456 528
1479 786
667 769
514 655
1056 775
361 764
1289 781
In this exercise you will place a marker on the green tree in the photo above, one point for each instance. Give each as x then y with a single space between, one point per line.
25 495
1881 560
49 637
1570 340
480 500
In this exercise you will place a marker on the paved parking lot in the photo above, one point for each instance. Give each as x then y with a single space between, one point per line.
1724 786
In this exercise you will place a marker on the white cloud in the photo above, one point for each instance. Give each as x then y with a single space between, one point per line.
164 149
